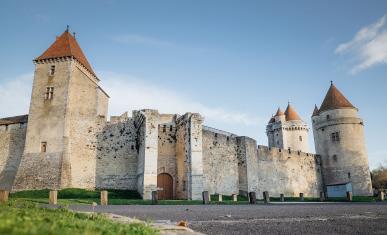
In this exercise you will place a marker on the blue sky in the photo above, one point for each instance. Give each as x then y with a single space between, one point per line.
233 61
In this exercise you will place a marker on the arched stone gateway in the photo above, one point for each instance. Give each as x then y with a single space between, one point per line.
165 183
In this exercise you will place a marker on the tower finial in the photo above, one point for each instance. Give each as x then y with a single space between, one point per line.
74 34
331 82
67 28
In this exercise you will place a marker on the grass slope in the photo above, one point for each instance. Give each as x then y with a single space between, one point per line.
20 217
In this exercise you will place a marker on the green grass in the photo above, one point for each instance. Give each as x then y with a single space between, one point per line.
21 217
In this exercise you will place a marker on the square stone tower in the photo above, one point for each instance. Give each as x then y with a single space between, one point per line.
67 108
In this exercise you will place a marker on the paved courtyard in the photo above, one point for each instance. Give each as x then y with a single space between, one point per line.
292 218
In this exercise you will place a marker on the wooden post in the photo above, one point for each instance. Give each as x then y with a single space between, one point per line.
53 197
380 196
220 197
206 197
4 196
349 196
322 196
234 198
154 198
266 197
252 198
282 197
302 197
104 198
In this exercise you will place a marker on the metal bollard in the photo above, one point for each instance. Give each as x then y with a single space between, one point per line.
322 196
220 197
234 198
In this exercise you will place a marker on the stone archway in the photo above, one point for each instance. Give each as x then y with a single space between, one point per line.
165 182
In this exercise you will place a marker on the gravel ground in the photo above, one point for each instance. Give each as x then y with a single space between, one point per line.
307 218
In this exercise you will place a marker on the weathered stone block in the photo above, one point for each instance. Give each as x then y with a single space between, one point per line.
53 197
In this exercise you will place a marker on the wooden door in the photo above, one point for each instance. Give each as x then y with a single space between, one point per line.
165 182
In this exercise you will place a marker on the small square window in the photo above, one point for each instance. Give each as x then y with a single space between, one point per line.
335 137
43 147
52 70
49 93
300 137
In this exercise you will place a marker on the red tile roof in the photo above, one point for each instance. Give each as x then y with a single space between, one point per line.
66 46
291 114
334 99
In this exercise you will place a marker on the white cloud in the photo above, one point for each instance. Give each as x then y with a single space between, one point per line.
368 47
130 93
15 95
127 93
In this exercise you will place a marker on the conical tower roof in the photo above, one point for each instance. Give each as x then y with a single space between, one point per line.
315 111
279 112
291 113
66 46
334 99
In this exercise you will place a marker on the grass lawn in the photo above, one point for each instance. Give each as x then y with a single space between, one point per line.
21 217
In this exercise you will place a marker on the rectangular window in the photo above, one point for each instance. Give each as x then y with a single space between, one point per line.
43 147
184 185
300 138
52 70
49 93
335 137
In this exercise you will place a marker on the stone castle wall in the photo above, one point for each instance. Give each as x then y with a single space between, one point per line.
220 162
12 139
288 172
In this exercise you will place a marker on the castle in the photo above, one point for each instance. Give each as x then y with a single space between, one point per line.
66 141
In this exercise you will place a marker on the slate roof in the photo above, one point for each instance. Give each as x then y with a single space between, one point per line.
14 120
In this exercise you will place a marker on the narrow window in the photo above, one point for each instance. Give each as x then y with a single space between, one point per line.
52 70
228 138
349 175
49 93
300 137
335 137
132 147
328 117
216 135
43 147
335 158
164 128
170 128
184 185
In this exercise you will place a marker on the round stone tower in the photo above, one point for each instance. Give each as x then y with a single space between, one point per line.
288 131
339 140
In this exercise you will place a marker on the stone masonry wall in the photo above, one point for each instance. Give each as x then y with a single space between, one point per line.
220 162
12 139
280 171
117 156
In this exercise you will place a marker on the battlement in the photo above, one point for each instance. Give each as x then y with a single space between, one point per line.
278 152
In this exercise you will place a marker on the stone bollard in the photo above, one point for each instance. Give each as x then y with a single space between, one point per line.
234 198
302 197
104 198
252 198
4 196
154 198
266 197
282 197
220 197
322 196
349 196
53 197
206 197
380 196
